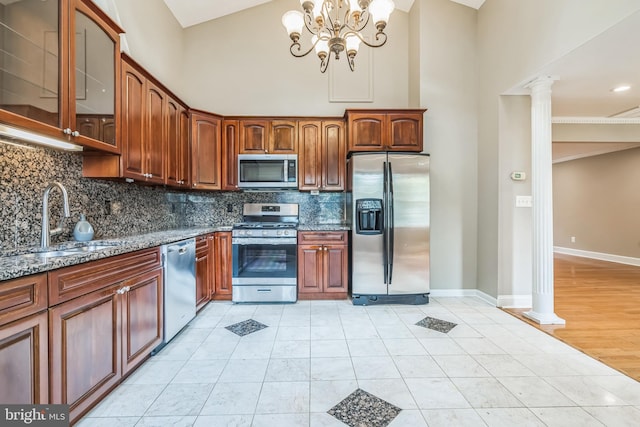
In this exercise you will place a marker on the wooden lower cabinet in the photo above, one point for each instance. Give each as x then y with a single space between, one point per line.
24 361
142 317
85 340
98 338
205 269
322 265
24 348
223 265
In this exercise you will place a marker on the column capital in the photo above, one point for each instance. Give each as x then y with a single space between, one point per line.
541 82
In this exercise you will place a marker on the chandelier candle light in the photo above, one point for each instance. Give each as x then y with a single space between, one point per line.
336 26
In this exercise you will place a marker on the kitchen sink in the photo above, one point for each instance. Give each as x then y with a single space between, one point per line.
89 248
92 247
49 254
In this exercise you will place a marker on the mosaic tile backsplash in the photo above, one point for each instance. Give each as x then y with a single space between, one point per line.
117 209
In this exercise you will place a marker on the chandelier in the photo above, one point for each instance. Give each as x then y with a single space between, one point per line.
335 26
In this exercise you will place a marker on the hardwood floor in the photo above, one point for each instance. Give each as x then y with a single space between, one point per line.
600 302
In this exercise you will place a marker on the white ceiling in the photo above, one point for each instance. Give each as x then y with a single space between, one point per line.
193 12
587 75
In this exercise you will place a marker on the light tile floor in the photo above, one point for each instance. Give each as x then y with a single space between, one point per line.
490 370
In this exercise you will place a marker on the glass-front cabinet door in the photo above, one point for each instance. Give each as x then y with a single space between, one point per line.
59 71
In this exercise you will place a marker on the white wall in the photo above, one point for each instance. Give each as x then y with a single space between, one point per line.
448 87
596 200
155 40
240 65
515 227
516 38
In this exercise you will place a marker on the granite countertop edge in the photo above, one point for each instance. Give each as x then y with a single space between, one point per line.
17 265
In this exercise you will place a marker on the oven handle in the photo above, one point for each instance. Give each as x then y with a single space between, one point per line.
276 241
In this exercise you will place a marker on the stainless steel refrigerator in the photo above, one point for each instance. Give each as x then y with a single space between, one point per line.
388 206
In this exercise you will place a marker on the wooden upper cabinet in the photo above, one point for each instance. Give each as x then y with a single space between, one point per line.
206 137
133 123
230 147
177 158
68 70
94 78
155 135
334 155
266 136
283 137
309 155
322 155
254 136
385 130
366 131
405 131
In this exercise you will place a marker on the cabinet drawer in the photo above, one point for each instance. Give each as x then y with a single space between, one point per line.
71 282
22 297
322 237
202 242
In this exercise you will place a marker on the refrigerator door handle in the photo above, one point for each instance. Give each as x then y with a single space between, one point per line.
391 224
385 231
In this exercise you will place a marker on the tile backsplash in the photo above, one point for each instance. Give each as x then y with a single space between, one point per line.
117 209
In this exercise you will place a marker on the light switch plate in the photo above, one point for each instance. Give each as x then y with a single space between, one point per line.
524 201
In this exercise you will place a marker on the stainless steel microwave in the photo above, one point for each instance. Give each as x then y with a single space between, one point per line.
267 171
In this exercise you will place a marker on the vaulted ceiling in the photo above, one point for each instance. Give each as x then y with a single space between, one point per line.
586 76
193 12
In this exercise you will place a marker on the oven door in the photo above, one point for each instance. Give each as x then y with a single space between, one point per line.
264 270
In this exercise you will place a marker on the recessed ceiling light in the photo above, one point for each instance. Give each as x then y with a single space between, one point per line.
621 88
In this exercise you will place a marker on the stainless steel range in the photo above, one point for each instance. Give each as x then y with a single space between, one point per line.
265 265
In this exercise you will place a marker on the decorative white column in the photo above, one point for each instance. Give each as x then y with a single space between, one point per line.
542 214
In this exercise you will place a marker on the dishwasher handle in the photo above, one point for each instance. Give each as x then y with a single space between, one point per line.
180 249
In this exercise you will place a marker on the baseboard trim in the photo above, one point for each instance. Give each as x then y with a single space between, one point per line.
620 259
515 301
448 293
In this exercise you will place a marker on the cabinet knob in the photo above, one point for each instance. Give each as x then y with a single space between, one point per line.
75 133
67 131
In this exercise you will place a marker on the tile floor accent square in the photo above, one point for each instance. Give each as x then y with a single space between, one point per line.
364 409
437 324
245 328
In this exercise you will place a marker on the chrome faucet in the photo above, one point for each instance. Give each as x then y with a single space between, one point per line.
45 236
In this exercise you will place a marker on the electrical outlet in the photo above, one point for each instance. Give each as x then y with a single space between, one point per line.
107 207
524 202
229 207
573 239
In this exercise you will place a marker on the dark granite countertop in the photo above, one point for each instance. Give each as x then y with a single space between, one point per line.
22 263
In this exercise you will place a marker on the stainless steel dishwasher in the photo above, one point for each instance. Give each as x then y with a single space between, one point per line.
179 260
